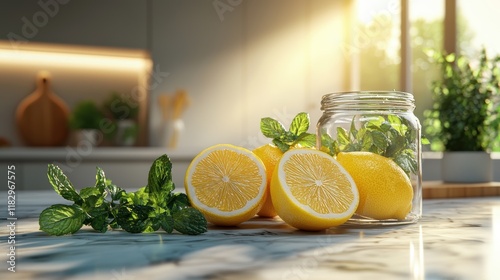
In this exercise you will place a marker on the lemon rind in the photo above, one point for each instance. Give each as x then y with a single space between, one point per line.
249 206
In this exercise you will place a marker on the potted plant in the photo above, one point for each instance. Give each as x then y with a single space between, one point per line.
85 121
465 119
122 113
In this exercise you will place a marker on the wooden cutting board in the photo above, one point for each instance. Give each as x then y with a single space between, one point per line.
42 117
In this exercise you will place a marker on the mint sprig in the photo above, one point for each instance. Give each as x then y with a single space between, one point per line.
296 136
389 136
106 205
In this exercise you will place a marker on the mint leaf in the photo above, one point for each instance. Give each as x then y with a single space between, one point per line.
134 218
189 221
62 185
92 202
100 223
389 136
167 222
380 140
328 142
386 127
342 136
394 120
353 131
92 198
91 191
139 197
271 128
306 140
375 122
61 219
160 183
177 202
100 180
288 138
366 142
115 191
281 145
397 144
300 124
407 161
100 217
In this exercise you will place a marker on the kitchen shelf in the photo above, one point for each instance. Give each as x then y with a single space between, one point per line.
439 189
95 154
127 167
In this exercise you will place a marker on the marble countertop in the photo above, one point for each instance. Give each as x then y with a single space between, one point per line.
455 239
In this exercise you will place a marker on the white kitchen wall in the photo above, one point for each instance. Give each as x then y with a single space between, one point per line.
238 60
244 60
112 23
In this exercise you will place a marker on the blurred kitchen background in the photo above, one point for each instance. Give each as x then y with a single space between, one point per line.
201 72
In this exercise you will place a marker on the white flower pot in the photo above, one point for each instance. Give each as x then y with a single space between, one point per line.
126 133
466 167
86 137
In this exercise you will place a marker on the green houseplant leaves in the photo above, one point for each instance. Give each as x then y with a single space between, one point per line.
86 115
465 115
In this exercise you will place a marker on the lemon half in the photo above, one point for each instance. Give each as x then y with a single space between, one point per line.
226 183
310 190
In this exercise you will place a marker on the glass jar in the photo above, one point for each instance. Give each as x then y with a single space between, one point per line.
376 137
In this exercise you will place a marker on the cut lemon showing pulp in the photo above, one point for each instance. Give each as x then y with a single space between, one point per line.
227 184
310 190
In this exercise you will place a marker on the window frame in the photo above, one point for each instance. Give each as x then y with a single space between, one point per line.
431 160
449 39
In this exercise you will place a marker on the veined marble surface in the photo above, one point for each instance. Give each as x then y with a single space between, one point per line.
455 239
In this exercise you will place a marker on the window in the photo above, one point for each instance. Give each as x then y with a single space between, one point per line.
477 26
426 33
379 29
378 36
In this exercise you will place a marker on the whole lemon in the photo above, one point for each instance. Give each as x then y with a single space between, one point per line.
385 191
270 156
